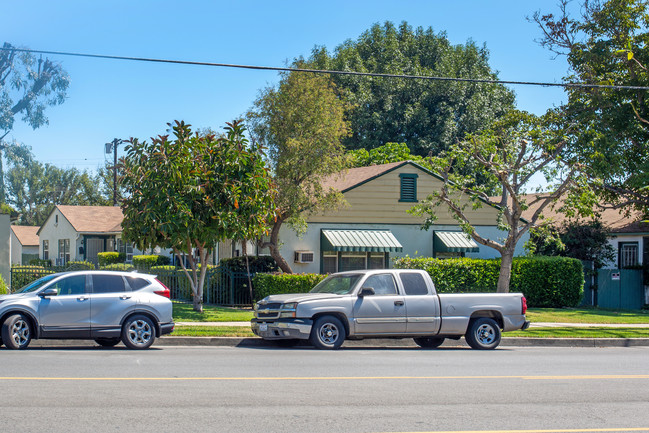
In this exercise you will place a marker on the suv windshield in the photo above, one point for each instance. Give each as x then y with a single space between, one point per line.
337 284
35 285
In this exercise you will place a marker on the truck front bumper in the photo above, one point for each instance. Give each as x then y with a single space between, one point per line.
279 329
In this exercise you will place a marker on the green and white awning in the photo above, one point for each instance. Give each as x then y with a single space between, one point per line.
453 242
382 241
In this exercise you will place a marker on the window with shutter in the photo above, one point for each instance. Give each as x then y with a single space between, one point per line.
408 187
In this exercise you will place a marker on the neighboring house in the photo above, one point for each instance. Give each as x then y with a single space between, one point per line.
24 244
375 227
80 233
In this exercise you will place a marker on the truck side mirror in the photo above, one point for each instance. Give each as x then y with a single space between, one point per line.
366 291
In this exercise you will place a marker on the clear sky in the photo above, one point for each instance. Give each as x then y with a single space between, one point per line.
119 99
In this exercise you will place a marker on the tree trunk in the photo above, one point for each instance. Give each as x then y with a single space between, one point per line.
244 250
505 271
273 246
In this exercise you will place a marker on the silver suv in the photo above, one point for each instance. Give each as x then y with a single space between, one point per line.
104 306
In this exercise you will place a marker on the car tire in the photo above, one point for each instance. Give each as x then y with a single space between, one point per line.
16 332
483 334
429 342
138 332
327 333
107 342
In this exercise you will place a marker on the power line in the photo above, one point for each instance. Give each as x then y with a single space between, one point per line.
324 71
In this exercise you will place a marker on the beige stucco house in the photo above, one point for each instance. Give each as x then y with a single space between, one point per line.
375 227
24 244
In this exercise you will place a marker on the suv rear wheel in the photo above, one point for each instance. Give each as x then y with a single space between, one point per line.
138 332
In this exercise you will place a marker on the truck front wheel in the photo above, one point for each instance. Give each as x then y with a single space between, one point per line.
328 332
483 334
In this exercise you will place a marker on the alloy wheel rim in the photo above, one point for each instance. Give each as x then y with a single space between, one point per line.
20 332
486 334
328 333
139 332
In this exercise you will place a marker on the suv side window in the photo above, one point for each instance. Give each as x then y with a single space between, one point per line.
414 284
137 283
74 285
383 284
108 284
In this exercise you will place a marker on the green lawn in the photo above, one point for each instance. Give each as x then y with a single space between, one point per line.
590 332
586 315
212 331
184 312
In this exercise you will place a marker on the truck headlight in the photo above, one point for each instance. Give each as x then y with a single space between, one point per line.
288 310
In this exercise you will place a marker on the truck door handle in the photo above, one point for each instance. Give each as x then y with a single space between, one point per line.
398 303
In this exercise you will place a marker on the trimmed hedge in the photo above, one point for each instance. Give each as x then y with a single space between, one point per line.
23 275
79 265
257 264
148 261
549 282
110 257
277 283
40 262
3 287
126 267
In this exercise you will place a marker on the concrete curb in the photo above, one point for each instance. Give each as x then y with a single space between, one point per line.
368 343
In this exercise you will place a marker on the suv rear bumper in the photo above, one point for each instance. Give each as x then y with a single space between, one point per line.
166 328
279 329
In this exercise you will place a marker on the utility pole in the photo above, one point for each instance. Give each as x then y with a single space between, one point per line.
113 146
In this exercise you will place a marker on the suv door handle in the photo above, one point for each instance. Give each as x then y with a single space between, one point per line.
125 297
398 303
81 298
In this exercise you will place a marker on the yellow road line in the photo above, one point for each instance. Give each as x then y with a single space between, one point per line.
563 430
340 378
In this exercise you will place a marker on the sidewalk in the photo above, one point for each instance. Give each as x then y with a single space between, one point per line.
532 325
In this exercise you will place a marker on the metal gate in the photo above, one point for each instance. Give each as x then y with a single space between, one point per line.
620 288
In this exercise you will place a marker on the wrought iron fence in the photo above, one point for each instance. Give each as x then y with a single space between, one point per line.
222 286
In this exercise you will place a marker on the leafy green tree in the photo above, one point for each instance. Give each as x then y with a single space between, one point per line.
389 152
27 87
427 115
608 43
33 189
302 122
193 191
509 153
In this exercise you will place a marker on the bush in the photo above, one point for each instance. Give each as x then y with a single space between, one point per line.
545 281
3 287
40 262
257 264
110 257
126 267
78 265
23 275
148 261
276 283
175 279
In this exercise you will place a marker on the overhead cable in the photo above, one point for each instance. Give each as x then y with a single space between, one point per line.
332 72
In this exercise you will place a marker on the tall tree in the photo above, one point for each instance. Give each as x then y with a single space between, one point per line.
302 121
193 191
27 87
427 115
608 43
516 148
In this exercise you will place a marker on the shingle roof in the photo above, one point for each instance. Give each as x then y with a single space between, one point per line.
27 235
350 178
93 219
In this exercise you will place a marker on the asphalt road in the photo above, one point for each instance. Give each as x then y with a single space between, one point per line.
227 389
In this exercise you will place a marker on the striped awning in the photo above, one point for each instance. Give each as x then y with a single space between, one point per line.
453 242
382 241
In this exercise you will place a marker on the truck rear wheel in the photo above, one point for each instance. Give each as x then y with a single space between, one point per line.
429 342
328 332
483 334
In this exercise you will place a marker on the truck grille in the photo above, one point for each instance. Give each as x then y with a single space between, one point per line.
268 311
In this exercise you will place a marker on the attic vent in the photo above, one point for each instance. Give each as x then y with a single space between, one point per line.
303 257
408 187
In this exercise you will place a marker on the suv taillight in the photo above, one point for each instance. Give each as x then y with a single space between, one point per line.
523 304
165 292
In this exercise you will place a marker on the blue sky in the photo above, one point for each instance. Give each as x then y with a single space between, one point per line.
118 99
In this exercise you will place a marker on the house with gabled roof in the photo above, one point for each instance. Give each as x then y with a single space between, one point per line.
24 244
375 226
80 233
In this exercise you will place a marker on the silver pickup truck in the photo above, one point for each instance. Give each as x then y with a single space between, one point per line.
387 303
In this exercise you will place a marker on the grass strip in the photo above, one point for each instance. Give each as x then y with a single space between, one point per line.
184 312
590 332
212 331
587 315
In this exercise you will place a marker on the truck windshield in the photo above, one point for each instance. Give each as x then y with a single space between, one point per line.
337 284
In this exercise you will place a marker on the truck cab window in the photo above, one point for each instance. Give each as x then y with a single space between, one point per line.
413 283
383 284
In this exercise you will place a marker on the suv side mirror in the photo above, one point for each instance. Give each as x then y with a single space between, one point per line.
48 292
366 291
